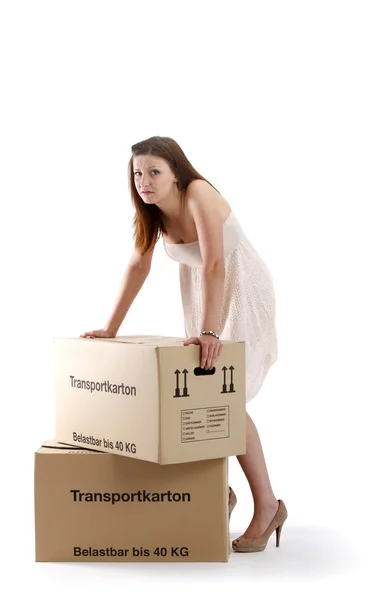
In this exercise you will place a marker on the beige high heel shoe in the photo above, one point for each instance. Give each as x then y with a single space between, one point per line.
260 543
232 500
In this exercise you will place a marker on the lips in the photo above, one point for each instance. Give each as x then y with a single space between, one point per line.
147 193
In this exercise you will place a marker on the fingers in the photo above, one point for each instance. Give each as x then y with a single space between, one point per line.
209 351
215 355
191 341
204 356
217 352
209 354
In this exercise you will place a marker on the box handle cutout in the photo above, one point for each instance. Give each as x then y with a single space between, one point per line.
198 371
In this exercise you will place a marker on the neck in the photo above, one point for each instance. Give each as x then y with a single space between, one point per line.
172 206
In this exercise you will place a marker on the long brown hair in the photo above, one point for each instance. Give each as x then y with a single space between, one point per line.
148 224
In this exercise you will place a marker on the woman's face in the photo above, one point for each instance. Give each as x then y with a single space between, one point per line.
154 179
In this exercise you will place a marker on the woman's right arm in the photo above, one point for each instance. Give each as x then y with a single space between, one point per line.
135 274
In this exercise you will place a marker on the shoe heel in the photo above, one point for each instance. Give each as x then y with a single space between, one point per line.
278 534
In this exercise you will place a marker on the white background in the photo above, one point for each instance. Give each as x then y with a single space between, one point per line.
280 106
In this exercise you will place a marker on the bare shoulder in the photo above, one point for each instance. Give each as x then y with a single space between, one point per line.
209 210
201 194
199 185
199 188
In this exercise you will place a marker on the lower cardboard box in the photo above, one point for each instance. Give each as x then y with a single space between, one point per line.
95 506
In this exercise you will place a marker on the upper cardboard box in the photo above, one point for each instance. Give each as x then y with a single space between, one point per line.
146 397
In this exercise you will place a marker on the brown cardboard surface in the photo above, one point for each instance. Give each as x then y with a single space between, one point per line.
96 506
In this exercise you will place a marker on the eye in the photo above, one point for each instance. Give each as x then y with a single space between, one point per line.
136 173
155 171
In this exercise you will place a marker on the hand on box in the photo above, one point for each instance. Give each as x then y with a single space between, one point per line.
211 349
99 333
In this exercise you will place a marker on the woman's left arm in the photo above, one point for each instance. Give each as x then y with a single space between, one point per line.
212 292
203 206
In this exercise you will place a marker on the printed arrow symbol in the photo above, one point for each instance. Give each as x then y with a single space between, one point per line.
224 390
232 385
185 389
177 389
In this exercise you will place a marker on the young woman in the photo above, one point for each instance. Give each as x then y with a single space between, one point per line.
226 289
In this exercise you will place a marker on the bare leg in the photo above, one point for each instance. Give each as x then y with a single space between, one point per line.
255 470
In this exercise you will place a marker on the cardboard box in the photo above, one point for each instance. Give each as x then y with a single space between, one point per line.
147 398
96 506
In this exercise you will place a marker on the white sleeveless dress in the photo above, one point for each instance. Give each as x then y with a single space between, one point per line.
248 312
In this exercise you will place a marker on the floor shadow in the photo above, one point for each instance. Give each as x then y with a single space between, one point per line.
304 552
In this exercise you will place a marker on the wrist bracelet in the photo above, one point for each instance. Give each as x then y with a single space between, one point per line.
209 333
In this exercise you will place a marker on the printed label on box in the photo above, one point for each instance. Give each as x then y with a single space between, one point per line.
201 424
